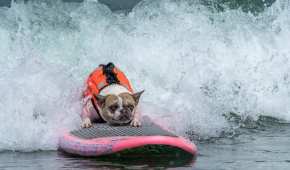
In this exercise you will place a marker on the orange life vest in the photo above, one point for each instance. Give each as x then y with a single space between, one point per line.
103 76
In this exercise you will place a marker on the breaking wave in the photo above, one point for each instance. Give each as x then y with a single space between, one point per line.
195 64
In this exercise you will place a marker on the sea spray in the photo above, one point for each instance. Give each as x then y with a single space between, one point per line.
193 63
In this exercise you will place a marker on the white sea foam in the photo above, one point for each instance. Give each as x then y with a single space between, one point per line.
194 64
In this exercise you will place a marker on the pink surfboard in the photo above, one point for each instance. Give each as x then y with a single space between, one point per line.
103 139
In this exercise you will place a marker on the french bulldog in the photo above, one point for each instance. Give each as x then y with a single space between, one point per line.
114 104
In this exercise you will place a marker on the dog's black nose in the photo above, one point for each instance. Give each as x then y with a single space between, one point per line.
124 117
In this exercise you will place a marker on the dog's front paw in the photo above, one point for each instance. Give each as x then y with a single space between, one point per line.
86 123
135 123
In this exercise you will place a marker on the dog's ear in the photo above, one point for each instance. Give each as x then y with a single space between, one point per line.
100 99
137 96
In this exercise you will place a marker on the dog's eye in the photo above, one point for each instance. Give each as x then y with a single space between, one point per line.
113 108
130 107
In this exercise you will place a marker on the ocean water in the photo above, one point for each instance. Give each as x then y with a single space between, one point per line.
217 75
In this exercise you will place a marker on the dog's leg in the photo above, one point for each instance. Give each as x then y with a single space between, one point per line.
136 119
86 114
86 123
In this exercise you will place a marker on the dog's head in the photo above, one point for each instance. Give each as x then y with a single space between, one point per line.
118 109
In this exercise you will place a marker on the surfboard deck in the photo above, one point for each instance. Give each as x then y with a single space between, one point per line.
105 139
